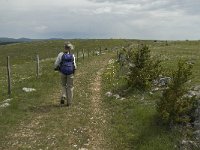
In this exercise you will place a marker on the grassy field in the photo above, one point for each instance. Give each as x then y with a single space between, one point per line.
134 123
28 112
34 120
23 57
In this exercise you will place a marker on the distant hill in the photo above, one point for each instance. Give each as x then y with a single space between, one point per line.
5 40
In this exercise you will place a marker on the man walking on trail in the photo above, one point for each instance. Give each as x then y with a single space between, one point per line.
66 65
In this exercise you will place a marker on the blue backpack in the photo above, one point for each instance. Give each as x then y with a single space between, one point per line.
67 64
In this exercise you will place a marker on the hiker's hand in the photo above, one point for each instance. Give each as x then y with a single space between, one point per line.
56 69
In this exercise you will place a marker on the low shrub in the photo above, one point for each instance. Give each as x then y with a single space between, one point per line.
175 106
143 68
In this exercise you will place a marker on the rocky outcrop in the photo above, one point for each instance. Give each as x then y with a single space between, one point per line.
195 143
196 91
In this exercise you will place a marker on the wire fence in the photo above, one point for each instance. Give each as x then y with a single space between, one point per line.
18 73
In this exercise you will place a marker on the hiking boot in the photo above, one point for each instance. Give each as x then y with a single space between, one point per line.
62 101
68 104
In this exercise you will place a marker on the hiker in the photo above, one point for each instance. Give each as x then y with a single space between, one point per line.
66 65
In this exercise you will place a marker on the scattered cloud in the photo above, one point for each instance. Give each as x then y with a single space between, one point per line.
103 10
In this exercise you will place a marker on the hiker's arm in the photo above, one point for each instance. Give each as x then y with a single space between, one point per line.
57 62
75 67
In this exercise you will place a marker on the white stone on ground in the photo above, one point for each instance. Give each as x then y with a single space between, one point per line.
25 89
4 105
109 94
116 96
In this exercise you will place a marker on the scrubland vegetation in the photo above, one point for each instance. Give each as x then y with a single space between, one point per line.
139 114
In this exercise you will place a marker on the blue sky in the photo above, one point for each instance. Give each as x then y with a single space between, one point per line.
137 19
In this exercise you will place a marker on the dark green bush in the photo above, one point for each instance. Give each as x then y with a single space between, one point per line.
175 106
143 68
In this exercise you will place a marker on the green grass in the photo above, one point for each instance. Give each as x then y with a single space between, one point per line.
134 124
135 127
23 57
21 53
188 50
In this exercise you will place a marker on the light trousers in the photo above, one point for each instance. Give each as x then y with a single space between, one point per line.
67 83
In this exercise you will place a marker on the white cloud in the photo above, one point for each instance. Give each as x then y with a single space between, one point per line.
102 10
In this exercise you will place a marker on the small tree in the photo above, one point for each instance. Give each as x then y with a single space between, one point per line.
143 68
174 107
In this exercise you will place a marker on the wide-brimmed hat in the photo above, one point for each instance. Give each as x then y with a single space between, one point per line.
69 45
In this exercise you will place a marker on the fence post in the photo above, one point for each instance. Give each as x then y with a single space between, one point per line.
83 53
117 54
100 49
94 50
77 55
88 53
38 66
9 75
